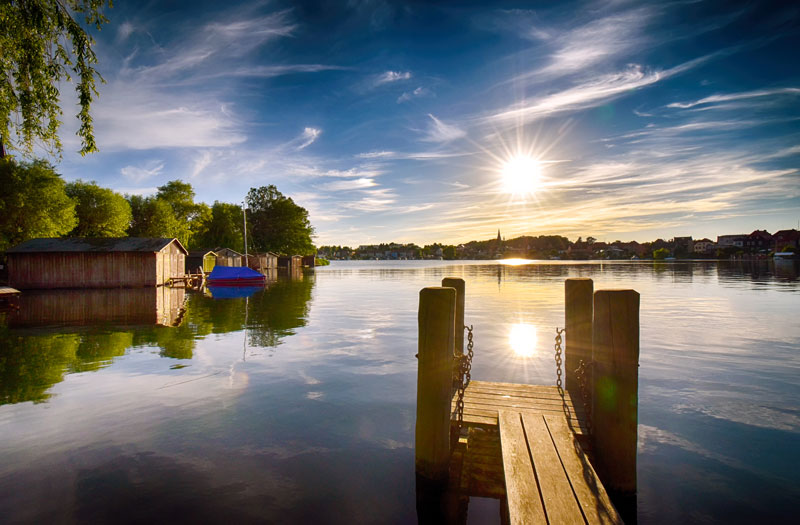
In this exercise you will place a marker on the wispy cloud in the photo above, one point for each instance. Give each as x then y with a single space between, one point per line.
309 136
408 95
375 200
141 173
590 93
352 184
737 96
438 131
200 163
596 42
392 76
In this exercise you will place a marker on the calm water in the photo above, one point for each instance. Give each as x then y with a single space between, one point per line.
296 404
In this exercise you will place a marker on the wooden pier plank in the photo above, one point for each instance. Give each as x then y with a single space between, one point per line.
589 491
554 486
522 490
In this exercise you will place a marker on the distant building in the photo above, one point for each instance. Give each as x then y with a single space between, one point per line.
735 241
759 240
704 246
785 238
95 262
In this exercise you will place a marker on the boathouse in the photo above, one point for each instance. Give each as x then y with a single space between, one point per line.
290 262
262 262
203 259
228 257
95 262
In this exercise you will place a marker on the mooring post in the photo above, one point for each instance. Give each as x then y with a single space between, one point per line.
436 320
578 323
615 339
459 285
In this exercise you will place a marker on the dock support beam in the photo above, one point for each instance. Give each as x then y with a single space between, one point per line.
436 319
615 338
578 322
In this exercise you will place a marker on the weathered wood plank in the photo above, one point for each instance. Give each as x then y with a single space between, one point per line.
512 387
520 401
589 491
524 500
472 412
554 486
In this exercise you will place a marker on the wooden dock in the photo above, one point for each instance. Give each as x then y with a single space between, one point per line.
534 447
9 297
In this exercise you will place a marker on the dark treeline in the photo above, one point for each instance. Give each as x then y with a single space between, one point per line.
37 202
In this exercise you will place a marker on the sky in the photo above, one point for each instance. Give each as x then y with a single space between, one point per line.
412 122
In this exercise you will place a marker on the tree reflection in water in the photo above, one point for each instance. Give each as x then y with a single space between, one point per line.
62 332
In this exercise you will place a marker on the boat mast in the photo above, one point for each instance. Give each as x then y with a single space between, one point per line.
244 214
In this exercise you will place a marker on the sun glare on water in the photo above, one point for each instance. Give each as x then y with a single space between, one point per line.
522 338
521 175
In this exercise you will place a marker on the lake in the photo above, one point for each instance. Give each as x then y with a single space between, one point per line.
296 403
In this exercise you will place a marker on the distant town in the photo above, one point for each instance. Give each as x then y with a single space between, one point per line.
758 244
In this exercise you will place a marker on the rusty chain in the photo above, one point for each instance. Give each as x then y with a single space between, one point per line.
462 368
559 382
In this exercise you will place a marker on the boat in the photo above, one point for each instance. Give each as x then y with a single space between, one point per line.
235 276
783 255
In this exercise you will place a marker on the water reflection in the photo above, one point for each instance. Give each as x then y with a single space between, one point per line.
56 333
522 338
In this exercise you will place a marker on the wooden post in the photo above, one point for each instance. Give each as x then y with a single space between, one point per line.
578 322
436 319
615 339
459 285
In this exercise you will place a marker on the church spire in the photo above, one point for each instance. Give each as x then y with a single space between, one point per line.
499 239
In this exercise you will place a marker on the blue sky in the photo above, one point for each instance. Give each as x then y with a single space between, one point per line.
395 121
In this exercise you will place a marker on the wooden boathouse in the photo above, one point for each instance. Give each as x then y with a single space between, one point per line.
205 260
550 454
228 257
95 262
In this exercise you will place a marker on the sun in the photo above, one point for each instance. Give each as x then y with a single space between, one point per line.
521 175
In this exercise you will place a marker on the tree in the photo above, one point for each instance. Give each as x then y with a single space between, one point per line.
101 212
660 254
33 203
42 44
224 229
189 216
277 224
152 217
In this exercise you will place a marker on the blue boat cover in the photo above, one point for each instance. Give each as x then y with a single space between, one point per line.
233 292
233 272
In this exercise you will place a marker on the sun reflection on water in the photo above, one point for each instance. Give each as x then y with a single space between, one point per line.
522 338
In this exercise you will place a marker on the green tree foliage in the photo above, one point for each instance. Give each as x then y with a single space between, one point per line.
223 229
275 223
660 254
153 217
42 45
33 203
101 212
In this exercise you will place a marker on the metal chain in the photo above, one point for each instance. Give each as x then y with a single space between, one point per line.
559 331
462 368
581 374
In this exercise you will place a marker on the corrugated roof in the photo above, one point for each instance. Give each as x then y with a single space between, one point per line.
111 244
